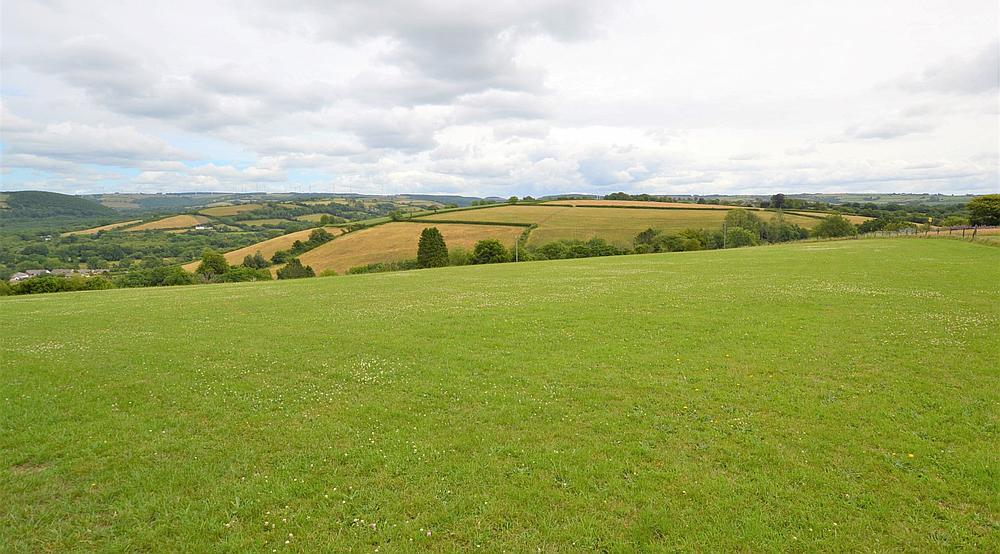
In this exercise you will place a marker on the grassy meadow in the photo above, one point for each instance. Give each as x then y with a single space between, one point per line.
835 396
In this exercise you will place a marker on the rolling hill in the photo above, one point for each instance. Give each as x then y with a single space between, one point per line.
38 204
835 396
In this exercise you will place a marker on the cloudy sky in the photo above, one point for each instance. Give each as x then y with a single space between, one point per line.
480 98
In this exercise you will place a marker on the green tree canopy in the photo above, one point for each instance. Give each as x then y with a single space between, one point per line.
835 225
212 263
985 210
431 250
489 251
295 270
744 219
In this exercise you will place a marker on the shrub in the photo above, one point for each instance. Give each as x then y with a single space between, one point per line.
257 261
744 219
328 273
241 274
431 250
489 251
459 256
295 270
985 210
835 225
212 263
737 237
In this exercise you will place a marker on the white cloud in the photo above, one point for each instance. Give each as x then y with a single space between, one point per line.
502 98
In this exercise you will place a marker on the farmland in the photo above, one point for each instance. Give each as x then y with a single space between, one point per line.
838 396
182 221
108 227
223 211
398 241
618 225
267 248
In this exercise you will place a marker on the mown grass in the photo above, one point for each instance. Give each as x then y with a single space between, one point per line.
836 396
618 225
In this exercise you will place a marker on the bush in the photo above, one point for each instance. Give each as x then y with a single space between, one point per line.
257 261
744 219
6 289
295 270
835 225
382 267
737 237
489 251
985 210
431 250
241 274
459 256
281 257
328 273
212 264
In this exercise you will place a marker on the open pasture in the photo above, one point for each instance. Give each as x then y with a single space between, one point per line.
398 241
173 222
615 225
638 204
835 396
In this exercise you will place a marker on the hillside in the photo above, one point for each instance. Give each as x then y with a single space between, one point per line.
609 220
38 204
835 396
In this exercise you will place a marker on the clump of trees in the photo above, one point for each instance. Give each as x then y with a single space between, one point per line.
835 225
295 270
489 251
985 210
257 261
52 283
214 268
431 249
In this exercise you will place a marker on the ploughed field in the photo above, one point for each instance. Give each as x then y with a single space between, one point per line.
812 396
618 225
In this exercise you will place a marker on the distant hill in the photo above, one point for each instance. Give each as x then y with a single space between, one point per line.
37 204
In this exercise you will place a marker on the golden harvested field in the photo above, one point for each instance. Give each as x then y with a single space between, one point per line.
267 248
311 217
615 225
856 219
95 230
398 241
638 204
172 222
223 211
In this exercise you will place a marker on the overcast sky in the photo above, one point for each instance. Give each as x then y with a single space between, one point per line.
482 98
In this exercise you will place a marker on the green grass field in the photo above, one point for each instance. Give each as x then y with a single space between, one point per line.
834 396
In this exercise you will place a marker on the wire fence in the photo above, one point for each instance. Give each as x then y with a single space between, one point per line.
964 231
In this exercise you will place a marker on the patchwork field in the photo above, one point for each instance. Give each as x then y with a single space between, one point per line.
638 204
844 400
398 241
267 248
616 225
173 222
95 230
223 211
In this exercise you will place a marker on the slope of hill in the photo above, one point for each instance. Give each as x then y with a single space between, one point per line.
616 224
39 204
398 241
267 248
816 396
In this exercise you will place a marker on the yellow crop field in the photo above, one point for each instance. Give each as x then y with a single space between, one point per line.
172 222
224 211
398 241
267 248
615 225
95 230
638 204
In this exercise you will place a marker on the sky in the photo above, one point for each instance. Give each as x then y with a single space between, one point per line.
500 98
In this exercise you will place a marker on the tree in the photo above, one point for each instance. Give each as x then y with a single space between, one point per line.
778 201
512 200
738 236
835 225
745 219
431 250
239 274
257 261
489 251
212 263
295 270
985 210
